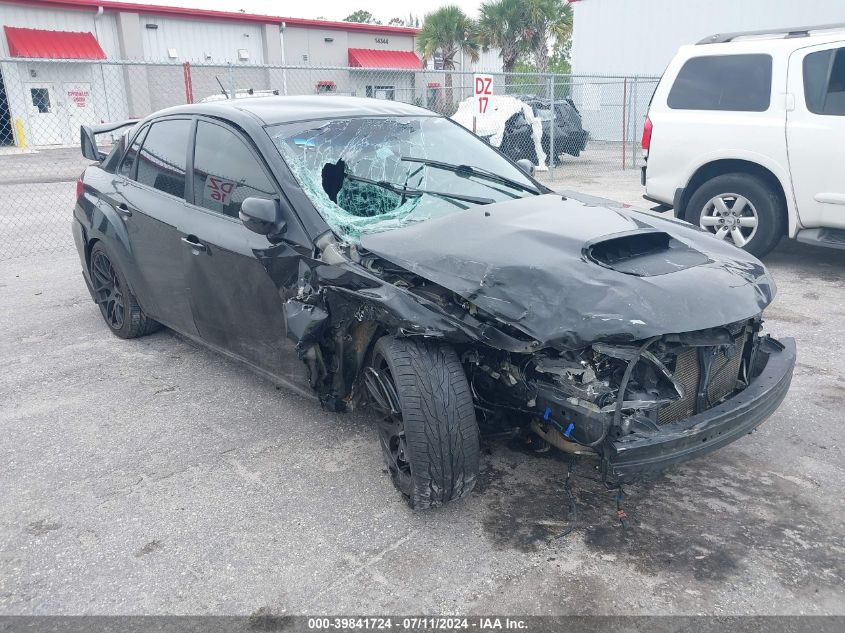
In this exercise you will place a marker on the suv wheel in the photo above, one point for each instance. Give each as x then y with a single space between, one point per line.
740 209
428 433
118 305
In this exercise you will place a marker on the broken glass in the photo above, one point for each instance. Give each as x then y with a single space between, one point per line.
331 160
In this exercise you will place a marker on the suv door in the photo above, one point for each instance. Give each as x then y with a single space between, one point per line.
236 306
815 131
149 194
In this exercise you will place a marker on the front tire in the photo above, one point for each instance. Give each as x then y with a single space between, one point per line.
741 209
429 435
118 306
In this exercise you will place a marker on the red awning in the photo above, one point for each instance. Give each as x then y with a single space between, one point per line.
52 44
371 58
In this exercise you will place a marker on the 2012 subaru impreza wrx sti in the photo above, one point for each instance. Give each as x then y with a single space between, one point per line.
381 255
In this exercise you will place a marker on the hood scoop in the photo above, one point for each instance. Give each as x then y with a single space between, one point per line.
643 253
566 273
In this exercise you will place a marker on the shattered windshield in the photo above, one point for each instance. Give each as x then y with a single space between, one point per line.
361 175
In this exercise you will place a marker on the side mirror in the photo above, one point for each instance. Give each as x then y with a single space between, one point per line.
263 216
526 165
89 145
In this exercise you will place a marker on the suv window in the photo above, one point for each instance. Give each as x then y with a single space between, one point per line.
226 172
128 164
740 83
824 82
161 161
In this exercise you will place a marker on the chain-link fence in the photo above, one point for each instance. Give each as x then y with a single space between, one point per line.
571 127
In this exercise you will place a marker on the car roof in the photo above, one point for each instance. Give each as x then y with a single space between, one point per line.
275 110
794 32
776 44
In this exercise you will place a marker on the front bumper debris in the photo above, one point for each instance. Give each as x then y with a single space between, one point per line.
633 456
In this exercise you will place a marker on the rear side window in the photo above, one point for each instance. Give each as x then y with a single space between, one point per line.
738 83
161 161
226 172
127 167
824 82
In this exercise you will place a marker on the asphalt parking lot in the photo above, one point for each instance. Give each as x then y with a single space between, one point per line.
155 477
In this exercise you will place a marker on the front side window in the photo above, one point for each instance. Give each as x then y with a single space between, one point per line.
824 82
737 83
226 172
367 175
161 161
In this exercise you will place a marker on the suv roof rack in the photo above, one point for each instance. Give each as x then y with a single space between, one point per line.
795 31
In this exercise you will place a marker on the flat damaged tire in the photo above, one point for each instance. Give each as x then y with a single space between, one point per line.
118 305
429 435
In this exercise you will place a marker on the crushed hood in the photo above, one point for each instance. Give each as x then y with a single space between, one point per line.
568 272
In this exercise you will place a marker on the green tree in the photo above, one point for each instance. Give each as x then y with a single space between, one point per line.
527 81
364 17
448 31
548 23
500 25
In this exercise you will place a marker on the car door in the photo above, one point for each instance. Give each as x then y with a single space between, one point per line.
815 133
149 194
236 305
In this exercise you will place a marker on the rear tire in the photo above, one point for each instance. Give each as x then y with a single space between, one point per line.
118 306
761 204
431 443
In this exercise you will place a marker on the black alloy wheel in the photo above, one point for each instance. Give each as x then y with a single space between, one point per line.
108 290
391 427
118 305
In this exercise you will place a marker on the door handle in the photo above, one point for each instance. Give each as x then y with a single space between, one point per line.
195 244
124 210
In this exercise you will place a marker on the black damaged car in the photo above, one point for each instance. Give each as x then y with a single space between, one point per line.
383 256
564 121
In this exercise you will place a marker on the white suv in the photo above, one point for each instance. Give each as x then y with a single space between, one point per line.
745 137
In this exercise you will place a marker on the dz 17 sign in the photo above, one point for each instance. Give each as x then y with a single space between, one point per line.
483 90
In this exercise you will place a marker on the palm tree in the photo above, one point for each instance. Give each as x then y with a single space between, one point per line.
546 22
449 32
500 25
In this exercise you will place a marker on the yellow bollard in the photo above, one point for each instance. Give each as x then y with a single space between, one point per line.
21 135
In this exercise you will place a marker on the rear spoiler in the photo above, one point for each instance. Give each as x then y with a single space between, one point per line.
88 134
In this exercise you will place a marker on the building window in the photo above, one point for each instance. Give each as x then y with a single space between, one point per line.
326 86
382 92
41 99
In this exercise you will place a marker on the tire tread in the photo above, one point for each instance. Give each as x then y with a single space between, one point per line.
441 431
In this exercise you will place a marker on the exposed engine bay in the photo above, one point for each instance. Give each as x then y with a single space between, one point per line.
579 400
